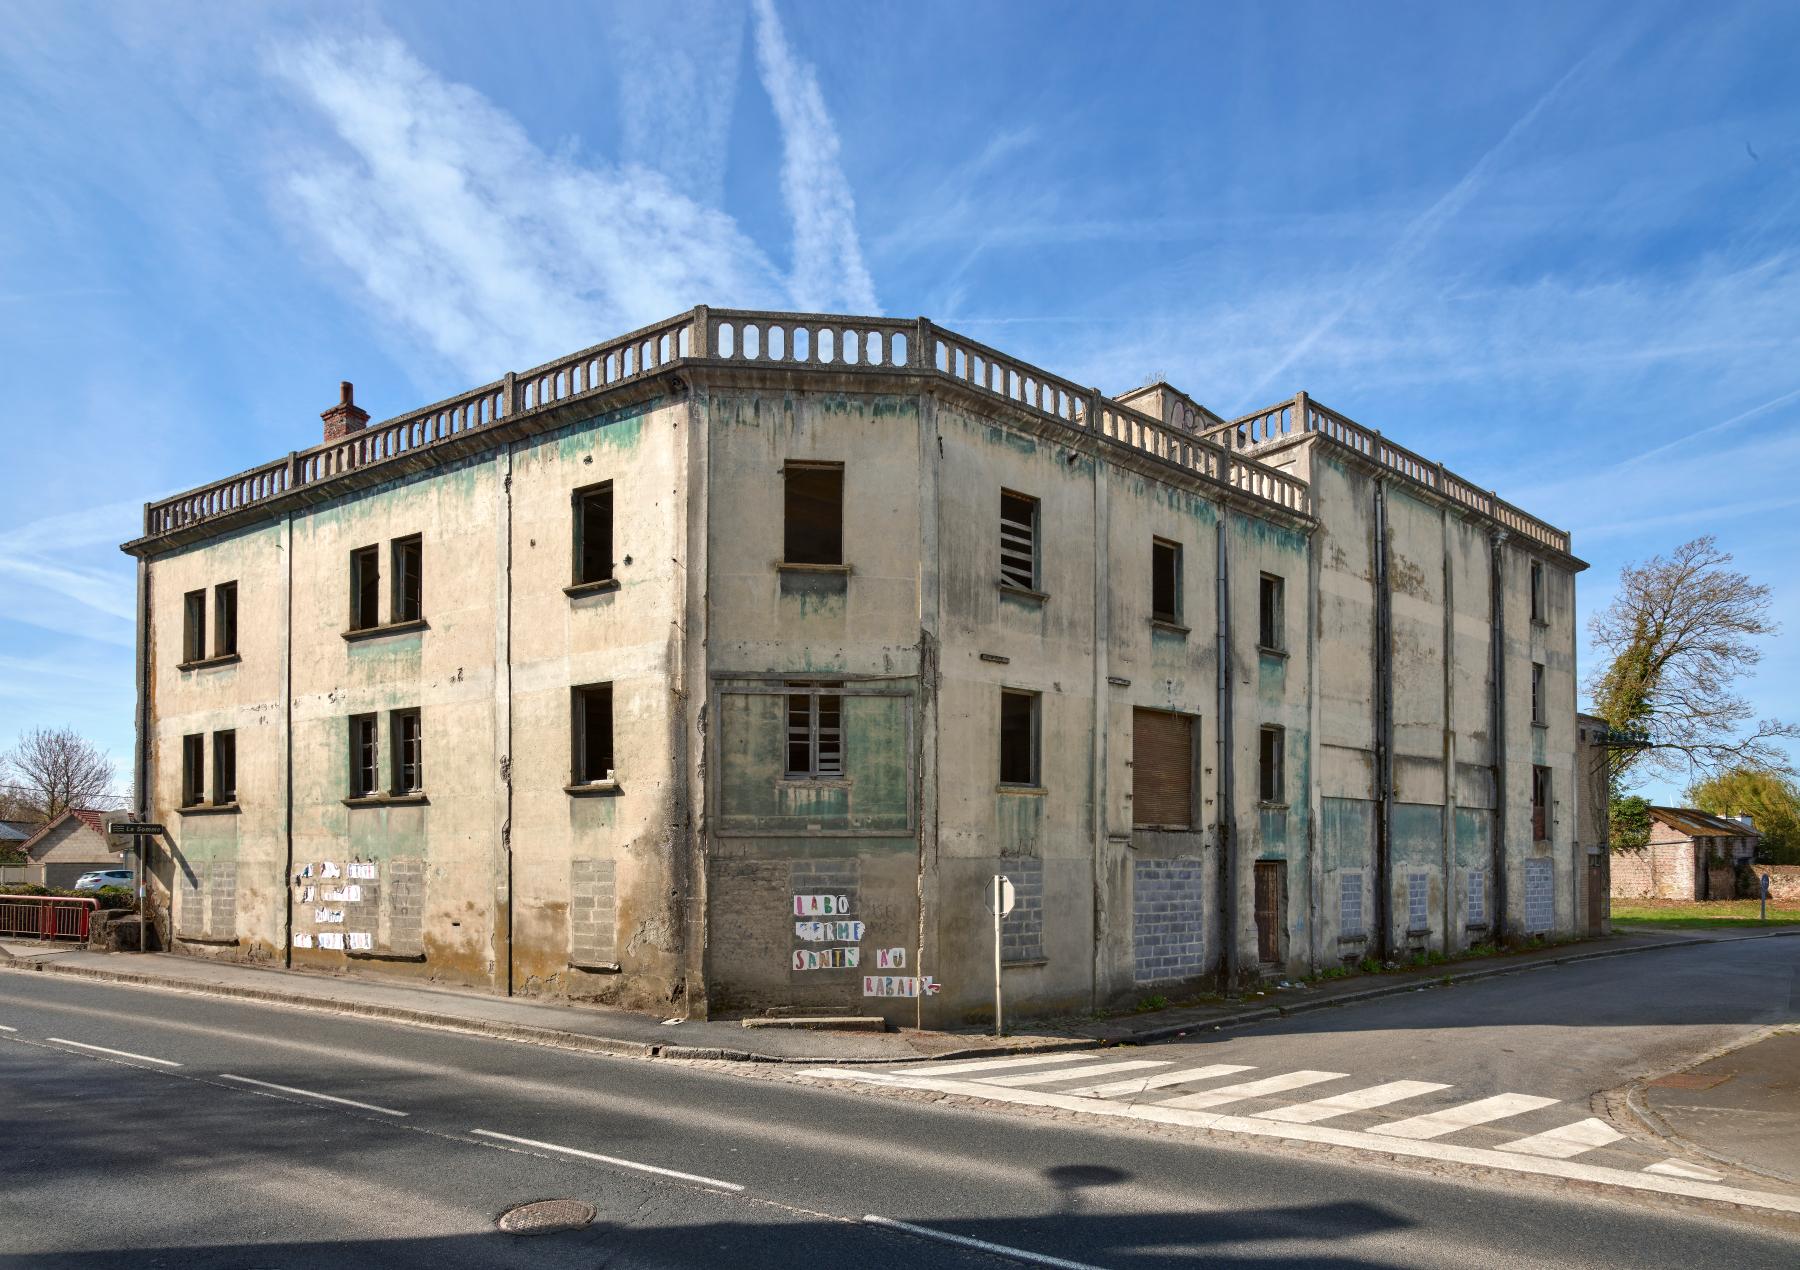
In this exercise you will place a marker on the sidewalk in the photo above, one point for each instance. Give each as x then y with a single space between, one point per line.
1740 1108
609 1031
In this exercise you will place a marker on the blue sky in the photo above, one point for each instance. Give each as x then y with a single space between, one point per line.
1555 246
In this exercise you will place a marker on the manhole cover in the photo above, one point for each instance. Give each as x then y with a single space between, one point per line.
546 1215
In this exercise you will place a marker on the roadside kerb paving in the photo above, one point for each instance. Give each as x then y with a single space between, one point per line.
628 1034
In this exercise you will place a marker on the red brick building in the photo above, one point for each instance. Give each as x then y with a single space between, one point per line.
1692 855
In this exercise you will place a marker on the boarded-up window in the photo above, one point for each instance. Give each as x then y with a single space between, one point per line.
815 735
814 528
1162 769
1018 540
1540 803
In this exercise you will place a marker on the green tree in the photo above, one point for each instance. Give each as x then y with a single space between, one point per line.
1678 635
1770 799
1629 822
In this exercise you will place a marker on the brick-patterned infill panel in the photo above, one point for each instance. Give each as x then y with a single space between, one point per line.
593 913
406 905
1351 919
1478 903
221 899
190 902
1167 936
1022 930
1418 901
1540 895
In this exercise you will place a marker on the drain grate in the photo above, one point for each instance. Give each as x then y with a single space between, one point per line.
545 1216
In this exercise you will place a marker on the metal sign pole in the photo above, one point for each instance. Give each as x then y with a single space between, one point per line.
999 904
142 946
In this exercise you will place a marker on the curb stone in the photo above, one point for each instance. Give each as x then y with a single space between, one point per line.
560 1039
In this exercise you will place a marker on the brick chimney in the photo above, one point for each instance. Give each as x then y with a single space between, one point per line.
345 417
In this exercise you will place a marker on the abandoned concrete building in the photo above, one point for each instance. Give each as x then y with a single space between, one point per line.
724 663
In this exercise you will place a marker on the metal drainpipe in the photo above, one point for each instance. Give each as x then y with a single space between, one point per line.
1384 731
1228 870
287 695
142 756
1497 729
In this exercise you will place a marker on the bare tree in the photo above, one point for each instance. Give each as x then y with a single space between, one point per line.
1679 635
53 769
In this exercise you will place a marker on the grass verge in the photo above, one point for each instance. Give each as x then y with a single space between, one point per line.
1702 914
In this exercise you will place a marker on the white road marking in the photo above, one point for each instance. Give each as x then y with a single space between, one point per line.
1449 1120
609 1159
1654 1180
987 1064
1249 1089
1570 1140
307 1093
4 1028
1069 1073
964 1241
1143 1084
1355 1100
101 1049
1682 1169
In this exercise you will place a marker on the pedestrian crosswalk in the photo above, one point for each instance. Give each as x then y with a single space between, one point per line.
1525 1132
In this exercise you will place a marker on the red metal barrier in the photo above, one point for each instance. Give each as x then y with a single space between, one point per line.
46 916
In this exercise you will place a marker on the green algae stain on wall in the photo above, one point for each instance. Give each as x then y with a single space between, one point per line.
756 795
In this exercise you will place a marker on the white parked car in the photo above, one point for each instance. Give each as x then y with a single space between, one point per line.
103 877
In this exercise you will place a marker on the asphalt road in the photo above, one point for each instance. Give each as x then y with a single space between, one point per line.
113 1160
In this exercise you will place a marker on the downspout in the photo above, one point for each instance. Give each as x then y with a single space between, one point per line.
503 689
1228 870
1384 731
141 756
1497 730
1097 749
1449 865
287 741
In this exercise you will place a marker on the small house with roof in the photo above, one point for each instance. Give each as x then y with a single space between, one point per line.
1691 855
73 843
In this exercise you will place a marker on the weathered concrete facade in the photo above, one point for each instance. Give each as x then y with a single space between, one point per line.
1252 697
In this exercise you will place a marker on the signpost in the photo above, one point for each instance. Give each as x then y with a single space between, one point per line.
1000 899
1764 893
139 830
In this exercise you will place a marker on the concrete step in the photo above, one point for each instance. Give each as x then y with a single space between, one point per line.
823 1022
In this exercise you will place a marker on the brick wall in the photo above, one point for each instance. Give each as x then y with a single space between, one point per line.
1540 895
593 913
1166 920
1022 930
1784 880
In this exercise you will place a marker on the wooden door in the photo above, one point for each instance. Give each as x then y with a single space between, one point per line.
1271 909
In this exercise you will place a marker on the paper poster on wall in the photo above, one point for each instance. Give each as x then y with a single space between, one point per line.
899 986
308 894
363 869
332 939
302 939
890 958
827 958
330 870
822 932
821 905
361 939
327 916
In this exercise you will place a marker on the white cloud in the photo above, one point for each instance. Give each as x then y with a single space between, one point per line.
493 252
828 273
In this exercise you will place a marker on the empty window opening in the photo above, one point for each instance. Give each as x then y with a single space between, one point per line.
409 579
365 588
1272 759
1165 581
224 769
1018 738
593 734
1537 692
594 534
1018 540
193 626
225 619
1162 770
815 734
1271 623
193 771
1537 591
408 739
1540 804
365 755
813 531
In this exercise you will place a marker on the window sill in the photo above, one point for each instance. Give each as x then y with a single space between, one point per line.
1024 963
209 809
1162 829
1022 791
1475 926
1265 650
392 628
387 800
790 566
1418 932
592 789
1168 627
1022 592
598 968
1353 939
601 587
1540 623
815 782
208 663
1269 805
1544 726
